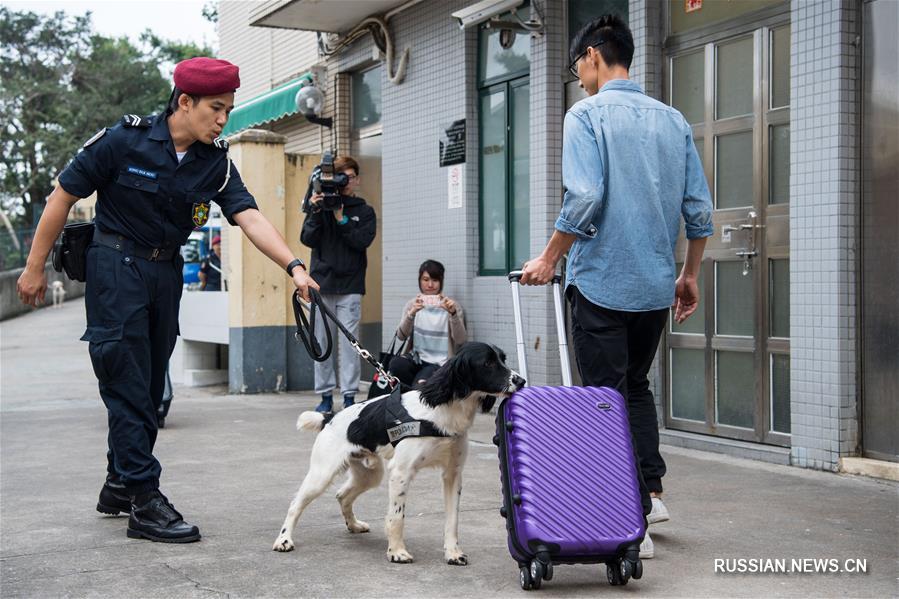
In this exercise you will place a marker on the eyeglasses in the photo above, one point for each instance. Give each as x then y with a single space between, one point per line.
572 68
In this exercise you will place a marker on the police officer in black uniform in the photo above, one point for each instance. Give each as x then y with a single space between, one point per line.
155 177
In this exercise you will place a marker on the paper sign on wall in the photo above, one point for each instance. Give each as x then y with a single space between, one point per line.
455 180
692 5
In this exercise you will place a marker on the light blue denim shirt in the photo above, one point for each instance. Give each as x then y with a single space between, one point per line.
630 171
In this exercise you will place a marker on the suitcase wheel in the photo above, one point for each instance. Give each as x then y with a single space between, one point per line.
619 572
524 578
531 577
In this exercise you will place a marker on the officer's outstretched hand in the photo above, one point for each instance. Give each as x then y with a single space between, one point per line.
31 286
304 282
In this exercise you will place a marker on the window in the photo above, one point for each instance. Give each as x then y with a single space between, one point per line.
366 88
504 151
581 12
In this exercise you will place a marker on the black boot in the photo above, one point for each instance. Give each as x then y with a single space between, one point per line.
113 498
154 518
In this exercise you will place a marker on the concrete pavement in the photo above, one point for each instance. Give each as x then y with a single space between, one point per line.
232 463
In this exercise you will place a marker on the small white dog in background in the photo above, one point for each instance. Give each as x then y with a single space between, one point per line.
59 293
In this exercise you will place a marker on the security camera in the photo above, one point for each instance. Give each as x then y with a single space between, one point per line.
310 101
484 11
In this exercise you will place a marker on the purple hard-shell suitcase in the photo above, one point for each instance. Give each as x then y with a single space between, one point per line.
569 475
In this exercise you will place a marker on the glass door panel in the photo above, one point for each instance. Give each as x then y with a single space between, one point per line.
492 179
521 160
733 89
735 389
734 300
688 391
780 393
733 170
688 86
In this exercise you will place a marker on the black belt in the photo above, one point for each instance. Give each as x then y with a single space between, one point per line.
123 244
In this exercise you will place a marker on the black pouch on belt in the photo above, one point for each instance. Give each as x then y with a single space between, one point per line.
70 252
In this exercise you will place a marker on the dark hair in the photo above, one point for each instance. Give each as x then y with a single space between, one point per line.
344 162
617 46
173 100
434 269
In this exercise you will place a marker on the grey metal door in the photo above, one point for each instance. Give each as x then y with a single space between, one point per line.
727 368
879 305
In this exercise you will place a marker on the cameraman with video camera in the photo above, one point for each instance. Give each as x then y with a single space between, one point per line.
339 226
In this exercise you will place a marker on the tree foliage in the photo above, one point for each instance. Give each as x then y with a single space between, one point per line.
60 83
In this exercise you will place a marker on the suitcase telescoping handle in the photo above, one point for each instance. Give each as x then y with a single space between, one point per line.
514 281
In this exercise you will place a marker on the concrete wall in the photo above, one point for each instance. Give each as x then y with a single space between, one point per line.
9 300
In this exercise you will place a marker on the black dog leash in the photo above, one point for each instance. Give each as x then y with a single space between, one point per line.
306 334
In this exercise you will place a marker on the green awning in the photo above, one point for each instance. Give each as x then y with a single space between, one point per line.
266 107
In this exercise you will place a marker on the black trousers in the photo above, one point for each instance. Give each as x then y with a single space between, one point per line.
616 349
409 372
132 323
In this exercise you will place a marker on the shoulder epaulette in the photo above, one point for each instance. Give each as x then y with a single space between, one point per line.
96 136
221 143
132 120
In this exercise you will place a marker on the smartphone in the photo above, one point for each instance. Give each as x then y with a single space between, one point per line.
431 300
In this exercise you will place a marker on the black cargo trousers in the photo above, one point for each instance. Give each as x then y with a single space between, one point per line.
615 349
132 324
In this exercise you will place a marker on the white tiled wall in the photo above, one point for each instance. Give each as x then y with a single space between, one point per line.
824 192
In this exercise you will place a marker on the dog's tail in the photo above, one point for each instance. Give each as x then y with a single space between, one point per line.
311 421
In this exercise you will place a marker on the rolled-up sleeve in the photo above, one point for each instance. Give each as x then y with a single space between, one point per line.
697 206
235 197
582 176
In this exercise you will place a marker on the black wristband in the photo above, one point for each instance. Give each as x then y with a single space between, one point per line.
296 262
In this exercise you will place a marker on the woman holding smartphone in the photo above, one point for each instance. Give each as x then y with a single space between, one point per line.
432 328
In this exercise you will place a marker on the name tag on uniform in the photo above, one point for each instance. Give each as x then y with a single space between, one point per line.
143 172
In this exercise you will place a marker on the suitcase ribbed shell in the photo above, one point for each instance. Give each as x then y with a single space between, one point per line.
570 460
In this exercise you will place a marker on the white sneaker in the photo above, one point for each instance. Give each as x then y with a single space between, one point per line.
647 549
659 512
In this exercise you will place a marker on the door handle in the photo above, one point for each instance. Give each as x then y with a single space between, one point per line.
749 253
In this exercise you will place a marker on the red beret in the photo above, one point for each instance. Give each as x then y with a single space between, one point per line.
203 76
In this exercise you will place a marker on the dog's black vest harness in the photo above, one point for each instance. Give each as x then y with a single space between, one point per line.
401 425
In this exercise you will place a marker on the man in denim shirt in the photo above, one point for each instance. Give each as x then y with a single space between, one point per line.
630 171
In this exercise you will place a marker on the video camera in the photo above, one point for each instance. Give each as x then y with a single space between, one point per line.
326 182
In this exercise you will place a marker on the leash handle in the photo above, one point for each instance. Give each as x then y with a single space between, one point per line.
306 329
306 334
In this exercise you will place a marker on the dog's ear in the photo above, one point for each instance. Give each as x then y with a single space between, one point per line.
438 389
449 382
462 375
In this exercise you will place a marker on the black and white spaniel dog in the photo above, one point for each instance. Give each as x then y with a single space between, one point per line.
415 430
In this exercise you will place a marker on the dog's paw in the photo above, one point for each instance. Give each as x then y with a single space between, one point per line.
358 526
456 558
399 557
283 545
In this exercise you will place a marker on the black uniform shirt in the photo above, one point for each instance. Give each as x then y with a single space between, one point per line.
143 192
